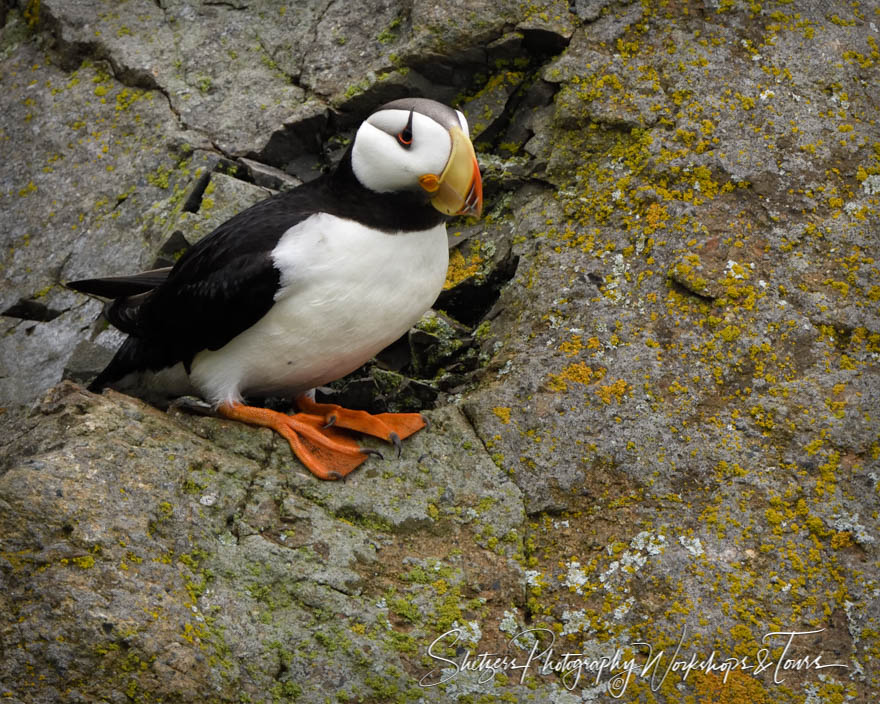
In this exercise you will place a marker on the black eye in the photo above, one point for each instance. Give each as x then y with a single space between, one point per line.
405 136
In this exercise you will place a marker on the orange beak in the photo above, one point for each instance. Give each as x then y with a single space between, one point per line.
459 189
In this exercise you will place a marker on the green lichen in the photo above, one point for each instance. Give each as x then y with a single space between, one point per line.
389 34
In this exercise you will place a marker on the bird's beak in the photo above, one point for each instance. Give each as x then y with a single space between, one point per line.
459 189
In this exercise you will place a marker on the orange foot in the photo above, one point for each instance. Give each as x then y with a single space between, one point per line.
318 437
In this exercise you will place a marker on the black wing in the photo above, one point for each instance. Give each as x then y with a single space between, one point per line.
220 287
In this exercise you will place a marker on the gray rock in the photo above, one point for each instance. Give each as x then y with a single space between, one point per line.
665 427
270 177
589 10
229 561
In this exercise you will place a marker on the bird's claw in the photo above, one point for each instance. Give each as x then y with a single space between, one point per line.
394 439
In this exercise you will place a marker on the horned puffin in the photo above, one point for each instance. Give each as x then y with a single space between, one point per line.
304 287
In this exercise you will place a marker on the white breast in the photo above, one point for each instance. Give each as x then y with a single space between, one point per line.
347 291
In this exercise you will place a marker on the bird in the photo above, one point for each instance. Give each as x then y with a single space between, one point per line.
304 287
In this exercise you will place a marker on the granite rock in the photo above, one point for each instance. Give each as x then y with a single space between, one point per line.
653 372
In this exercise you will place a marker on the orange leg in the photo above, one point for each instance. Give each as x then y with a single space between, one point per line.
317 434
326 452
390 427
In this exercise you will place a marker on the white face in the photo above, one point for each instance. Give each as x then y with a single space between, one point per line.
383 162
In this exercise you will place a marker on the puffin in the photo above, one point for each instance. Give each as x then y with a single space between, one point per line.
304 287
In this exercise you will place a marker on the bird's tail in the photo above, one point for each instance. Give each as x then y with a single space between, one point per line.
127 294
121 286
128 359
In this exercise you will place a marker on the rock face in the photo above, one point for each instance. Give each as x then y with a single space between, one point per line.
175 558
652 378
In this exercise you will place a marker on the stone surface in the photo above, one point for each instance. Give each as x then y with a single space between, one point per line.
654 371
168 556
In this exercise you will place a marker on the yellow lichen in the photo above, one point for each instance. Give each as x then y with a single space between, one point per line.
503 413
461 269
614 391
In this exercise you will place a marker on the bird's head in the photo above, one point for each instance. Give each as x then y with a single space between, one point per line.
419 145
